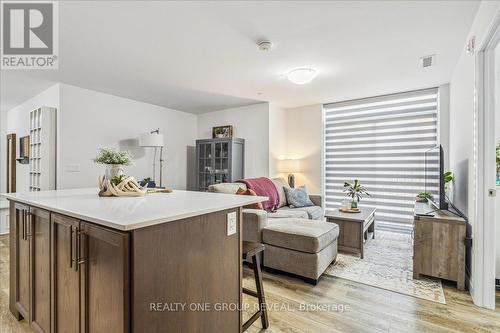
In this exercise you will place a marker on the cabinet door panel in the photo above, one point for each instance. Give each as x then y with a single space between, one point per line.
22 293
39 232
66 276
106 279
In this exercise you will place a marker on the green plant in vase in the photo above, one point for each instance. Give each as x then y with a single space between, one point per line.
448 180
424 196
355 191
114 161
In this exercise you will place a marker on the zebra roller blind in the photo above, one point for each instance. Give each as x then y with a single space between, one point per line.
381 141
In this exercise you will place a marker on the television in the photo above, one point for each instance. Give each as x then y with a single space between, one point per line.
434 180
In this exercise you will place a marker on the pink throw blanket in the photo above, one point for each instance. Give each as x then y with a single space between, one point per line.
263 187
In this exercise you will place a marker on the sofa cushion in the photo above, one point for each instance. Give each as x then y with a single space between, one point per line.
280 184
230 188
298 197
288 213
248 191
300 235
313 212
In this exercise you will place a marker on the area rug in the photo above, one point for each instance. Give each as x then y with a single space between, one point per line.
388 264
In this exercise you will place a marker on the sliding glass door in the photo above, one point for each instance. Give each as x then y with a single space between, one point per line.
381 142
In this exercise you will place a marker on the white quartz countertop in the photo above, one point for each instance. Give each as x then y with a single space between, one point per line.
129 213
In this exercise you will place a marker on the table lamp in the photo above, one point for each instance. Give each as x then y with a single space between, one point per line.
154 139
290 166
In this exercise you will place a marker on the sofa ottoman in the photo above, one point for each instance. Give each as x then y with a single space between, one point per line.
301 247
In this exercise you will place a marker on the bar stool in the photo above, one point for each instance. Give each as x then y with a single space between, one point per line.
252 250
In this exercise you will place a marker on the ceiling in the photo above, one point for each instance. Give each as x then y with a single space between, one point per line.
202 56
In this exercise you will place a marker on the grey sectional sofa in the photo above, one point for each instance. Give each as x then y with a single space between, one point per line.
298 240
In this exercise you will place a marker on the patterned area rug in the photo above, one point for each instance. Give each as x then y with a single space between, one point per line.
388 265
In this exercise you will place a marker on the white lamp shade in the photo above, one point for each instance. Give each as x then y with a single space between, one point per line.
151 140
289 166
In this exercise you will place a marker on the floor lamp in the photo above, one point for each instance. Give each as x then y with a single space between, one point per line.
154 139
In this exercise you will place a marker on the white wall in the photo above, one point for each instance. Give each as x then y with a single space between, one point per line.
4 211
304 141
462 98
497 136
90 119
462 89
250 123
18 123
3 148
444 122
277 138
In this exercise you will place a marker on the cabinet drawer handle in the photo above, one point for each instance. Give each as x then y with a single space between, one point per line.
29 225
77 249
24 224
71 258
80 259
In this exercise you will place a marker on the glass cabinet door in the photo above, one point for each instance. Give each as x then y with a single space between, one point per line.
221 168
206 166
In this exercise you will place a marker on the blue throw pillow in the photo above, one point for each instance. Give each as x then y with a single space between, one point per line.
297 197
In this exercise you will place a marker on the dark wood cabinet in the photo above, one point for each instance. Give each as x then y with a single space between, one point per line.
74 276
68 276
39 235
30 253
105 273
20 261
90 267
65 275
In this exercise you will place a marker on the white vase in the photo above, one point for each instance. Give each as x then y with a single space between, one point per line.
113 170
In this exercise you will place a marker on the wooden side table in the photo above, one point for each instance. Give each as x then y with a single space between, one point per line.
354 228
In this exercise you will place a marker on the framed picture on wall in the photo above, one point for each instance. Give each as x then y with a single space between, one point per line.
222 132
24 150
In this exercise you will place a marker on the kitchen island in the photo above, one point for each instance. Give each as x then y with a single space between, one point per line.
165 262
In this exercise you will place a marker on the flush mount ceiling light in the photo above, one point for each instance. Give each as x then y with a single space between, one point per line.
301 75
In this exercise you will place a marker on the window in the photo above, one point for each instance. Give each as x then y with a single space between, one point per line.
381 141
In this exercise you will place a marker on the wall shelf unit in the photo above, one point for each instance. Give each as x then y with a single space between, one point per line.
42 156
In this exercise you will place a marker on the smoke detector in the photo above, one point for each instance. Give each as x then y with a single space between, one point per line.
428 61
265 45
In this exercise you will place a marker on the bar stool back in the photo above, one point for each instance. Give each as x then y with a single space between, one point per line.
252 250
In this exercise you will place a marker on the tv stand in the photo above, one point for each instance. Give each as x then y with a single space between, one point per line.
439 244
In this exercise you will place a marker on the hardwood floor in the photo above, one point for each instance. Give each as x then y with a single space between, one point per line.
347 307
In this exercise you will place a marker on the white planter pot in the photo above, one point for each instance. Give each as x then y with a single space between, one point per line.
113 170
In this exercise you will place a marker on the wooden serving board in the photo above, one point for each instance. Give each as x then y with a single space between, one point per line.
349 210
159 190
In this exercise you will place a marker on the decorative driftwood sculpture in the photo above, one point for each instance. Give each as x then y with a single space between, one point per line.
128 187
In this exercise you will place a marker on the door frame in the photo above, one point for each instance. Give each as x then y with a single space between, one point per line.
483 283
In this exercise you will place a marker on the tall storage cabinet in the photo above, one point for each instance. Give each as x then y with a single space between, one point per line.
219 161
43 149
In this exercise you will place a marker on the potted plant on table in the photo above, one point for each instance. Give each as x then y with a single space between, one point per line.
424 197
355 191
148 182
114 161
448 180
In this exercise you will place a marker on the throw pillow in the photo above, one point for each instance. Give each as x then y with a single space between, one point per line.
298 197
257 205
280 183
